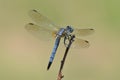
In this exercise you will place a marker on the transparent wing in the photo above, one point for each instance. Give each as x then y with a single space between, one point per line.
40 31
42 20
80 43
83 32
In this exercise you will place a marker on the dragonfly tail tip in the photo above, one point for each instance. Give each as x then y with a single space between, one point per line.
49 64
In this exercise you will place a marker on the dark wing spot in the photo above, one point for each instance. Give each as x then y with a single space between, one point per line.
31 24
35 10
91 29
86 41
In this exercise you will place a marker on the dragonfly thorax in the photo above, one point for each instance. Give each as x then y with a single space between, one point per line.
65 31
61 32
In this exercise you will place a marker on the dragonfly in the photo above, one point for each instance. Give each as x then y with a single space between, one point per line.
46 29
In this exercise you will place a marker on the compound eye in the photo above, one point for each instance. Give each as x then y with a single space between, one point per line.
71 30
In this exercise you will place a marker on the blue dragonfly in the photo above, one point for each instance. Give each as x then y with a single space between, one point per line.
45 28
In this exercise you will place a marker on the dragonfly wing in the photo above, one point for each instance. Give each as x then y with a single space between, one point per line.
80 43
40 31
83 32
42 20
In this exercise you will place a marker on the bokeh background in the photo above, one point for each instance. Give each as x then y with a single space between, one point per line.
24 57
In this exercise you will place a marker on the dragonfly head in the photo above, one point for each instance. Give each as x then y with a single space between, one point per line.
69 29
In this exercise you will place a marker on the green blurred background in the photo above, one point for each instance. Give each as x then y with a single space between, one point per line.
24 57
